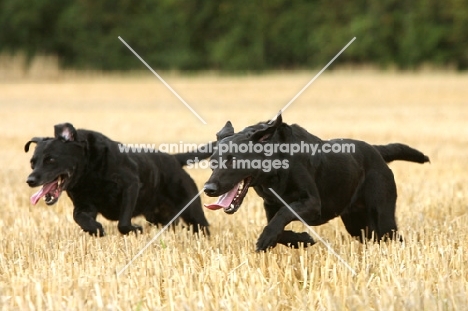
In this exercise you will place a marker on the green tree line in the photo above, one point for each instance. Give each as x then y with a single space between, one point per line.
237 35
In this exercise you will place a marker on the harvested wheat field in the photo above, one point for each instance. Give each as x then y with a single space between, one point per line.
48 263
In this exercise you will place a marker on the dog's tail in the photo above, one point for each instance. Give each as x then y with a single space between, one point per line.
199 154
392 152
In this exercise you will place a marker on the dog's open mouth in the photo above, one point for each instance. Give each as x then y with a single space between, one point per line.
50 191
232 200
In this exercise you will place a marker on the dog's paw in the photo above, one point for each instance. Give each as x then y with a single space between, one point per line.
306 239
267 239
200 230
131 228
296 239
98 231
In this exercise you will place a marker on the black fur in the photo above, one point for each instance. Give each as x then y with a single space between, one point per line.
100 179
359 187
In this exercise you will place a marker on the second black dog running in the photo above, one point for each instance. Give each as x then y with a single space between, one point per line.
359 186
100 179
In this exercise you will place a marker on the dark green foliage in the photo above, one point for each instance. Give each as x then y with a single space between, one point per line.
237 35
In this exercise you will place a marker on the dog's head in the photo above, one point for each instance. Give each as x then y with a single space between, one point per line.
54 162
241 161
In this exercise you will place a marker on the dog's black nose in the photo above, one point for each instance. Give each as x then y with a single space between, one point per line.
211 188
31 181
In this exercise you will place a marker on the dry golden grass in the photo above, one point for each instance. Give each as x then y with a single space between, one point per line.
47 263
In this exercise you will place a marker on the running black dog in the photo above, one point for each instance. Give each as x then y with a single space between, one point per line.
356 185
99 178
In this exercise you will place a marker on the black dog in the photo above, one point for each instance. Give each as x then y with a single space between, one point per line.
99 178
357 186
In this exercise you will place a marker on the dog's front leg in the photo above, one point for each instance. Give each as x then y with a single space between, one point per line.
129 200
86 219
308 209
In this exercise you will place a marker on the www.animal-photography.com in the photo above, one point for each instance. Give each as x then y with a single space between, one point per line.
213 155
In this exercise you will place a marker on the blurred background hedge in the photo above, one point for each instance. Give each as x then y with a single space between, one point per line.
237 35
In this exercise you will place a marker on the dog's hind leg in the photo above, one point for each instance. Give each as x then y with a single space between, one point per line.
193 214
356 222
195 217
380 200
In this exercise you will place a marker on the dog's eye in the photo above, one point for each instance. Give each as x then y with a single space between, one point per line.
49 160
32 164
213 164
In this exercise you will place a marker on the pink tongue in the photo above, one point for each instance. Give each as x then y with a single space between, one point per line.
44 190
225 200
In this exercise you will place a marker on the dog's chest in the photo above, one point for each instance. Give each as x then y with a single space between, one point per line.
99 194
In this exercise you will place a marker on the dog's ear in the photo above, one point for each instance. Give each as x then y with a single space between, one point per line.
279 120
65 131
33 140
226 131
267 130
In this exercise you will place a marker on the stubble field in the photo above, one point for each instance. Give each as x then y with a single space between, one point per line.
48 263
